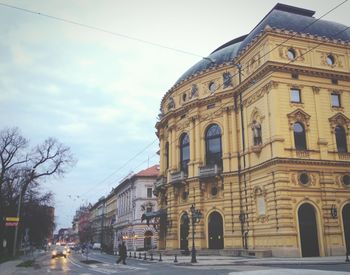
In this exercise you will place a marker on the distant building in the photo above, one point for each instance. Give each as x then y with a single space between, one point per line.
96 219
134 197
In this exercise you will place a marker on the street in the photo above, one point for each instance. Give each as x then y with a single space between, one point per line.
99 263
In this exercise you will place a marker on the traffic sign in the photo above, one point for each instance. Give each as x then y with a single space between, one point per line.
12 219
11 223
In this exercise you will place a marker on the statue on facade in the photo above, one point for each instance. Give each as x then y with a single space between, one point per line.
256 128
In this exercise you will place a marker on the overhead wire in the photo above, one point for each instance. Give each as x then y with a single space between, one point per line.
129 37
285 64
165 47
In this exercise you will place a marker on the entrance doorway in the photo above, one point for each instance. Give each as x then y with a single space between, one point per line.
147 242
215 231
308 231
184 230
346 226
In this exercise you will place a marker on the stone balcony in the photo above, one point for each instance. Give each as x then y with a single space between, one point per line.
177 177
211 171
160 182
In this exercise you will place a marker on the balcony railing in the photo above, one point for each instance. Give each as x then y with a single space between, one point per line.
344 155
160 182
302 154
209 171
178 177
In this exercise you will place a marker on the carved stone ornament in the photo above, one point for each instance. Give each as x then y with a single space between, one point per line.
227 79
171 103
260 93
299 115
194 91
316 90
299 53
341 120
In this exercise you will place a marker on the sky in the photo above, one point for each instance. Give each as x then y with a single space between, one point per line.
98 89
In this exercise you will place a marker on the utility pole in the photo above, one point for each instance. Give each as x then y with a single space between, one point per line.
16 230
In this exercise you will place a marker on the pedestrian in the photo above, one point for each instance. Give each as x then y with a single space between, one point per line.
124 252
119 253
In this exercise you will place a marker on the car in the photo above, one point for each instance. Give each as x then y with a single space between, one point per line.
96 246
59 251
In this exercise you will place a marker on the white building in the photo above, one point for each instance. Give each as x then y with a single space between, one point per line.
134 198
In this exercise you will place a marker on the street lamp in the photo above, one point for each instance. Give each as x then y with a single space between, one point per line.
196 216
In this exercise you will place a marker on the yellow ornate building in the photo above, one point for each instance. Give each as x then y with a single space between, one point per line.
256 136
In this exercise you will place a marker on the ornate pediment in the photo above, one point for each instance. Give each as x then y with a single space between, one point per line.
339 119
299 115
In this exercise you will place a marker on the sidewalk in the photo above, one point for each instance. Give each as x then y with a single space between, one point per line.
10 267
227 260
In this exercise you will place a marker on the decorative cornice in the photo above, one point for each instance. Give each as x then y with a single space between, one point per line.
260 93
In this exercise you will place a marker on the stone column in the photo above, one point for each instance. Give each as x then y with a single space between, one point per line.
192 149
174 146
226 143
161 153
197 147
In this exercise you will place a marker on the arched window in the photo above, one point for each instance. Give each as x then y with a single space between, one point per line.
340 137
167 155
184 152
213 145
299 136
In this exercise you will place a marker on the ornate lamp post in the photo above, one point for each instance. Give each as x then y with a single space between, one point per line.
196 216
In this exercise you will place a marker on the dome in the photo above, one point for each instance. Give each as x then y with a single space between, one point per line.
280 17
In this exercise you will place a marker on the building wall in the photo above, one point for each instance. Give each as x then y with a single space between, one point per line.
266 187
132 202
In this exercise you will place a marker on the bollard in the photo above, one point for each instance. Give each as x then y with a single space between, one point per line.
130 254
144 256
160 257
135 254
175 261
151 257
140 255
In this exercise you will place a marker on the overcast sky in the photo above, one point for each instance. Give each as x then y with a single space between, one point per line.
99 93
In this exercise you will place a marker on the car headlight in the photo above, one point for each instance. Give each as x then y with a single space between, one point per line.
54 253
64 252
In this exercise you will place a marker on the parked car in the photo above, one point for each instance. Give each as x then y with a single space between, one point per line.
96 246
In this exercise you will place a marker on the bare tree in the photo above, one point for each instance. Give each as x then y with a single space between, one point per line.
22 169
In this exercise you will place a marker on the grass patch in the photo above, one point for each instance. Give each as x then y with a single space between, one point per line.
7 258
28 263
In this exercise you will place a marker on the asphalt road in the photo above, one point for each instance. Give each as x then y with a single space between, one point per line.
105 264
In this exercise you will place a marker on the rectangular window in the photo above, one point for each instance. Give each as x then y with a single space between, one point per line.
295 95
335 100
149 192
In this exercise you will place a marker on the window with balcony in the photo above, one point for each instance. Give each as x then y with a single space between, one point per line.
299 136
213 145
184 152
340 137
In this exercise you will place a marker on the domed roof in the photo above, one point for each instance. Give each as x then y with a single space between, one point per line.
280 17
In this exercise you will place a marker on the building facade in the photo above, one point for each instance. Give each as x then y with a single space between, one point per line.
256 136
96 219
134 196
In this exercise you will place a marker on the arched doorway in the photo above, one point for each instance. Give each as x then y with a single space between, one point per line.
184 230
346 226
215 231
147 242
308 231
